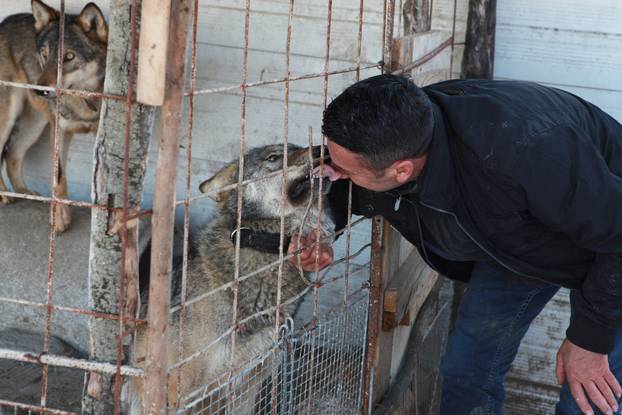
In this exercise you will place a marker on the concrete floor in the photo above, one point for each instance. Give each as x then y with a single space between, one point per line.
24 254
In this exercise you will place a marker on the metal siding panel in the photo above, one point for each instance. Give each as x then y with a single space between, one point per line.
574 45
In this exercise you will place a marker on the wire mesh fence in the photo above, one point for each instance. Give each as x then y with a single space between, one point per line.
315 365
317 371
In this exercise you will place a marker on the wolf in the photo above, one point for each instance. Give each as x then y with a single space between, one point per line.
29 46
212 265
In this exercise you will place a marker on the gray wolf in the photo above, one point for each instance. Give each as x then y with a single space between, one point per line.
212 265
29 54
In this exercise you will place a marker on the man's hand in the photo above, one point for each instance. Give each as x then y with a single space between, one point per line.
305 259
589 372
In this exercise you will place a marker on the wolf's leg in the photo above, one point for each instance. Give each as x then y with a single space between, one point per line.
27 131
63 212
11 105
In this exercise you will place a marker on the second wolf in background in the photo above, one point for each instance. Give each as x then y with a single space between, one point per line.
29 54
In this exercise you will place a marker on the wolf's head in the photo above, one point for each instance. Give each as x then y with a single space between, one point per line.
85 44
262 197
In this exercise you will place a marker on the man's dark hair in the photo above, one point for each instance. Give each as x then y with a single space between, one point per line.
383 118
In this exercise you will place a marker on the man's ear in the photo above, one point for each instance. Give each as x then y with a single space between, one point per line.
43 14
403 170
225 177
408 169
92 22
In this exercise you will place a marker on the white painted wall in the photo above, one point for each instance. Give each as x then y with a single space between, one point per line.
570 44
574 45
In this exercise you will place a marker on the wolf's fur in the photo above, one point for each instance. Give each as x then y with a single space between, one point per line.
28 54
213 265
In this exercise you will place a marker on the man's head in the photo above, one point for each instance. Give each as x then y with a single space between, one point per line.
378 131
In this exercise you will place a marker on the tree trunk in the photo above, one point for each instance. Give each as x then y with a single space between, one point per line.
105 262
479 47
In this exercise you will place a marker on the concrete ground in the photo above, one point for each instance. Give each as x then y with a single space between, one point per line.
24 255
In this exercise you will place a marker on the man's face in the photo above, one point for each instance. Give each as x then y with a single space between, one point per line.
350 166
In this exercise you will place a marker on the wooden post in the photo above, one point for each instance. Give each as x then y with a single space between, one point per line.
156 362
155 17
108 189
479 47
416 16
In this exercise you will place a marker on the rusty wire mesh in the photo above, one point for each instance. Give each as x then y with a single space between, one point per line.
317 364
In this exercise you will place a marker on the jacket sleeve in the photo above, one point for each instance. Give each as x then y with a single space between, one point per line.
570 187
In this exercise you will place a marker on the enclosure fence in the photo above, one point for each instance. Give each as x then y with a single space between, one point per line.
324 365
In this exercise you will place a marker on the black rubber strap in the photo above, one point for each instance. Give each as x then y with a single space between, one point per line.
260 241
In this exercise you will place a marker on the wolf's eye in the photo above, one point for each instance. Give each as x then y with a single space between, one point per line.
273 157
69 56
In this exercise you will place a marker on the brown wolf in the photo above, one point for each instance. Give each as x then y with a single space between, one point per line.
29 54
212 265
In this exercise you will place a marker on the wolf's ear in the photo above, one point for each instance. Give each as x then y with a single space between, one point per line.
91 20
224 177
43 14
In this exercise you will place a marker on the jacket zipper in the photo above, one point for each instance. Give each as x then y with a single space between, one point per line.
453 215
425 251
396 207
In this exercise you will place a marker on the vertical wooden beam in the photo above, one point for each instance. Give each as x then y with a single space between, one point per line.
374 319
416 16
384 263
156 362
150 79
108 189
479 47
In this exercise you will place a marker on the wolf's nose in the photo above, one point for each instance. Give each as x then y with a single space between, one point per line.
316 151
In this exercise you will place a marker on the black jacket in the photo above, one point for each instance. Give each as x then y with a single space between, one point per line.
534 176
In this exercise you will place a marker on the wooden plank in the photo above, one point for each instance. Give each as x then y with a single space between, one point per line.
599 16
442 17
266 65
533 371
415 379
223 26
527 398
562 57
315 9
407 291
391 239
153 42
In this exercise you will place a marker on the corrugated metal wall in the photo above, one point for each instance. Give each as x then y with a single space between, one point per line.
574 45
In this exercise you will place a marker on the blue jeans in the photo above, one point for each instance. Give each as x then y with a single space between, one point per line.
493 317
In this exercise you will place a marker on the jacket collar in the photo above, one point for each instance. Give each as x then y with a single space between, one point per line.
436 186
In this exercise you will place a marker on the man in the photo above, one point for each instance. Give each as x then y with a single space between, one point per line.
511 186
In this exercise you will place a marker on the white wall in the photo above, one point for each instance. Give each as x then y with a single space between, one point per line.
574 45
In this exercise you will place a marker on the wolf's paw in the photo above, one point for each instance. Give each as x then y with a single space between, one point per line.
5 200
62 219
